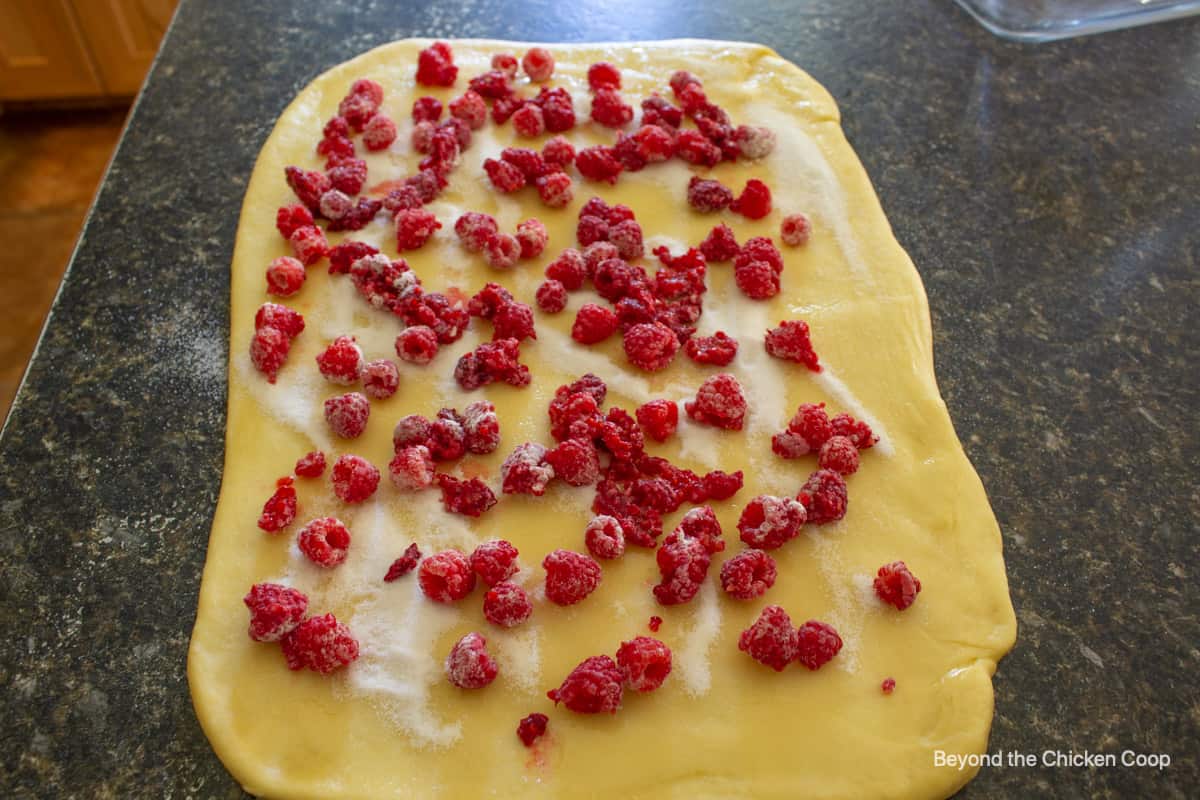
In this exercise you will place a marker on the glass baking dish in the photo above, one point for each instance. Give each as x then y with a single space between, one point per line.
1044 20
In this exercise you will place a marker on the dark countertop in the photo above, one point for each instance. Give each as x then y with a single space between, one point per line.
1048 195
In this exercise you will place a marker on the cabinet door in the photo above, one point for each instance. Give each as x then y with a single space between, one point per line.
123 36
42 54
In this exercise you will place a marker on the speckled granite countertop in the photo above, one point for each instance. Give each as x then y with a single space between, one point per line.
1048 195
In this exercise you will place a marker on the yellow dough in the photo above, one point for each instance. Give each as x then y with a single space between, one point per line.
723 726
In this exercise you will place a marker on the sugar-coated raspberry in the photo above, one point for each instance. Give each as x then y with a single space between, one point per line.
816 643
285 276
347 414
379 133
401 197
628 153
645 662
683 563
275 610
358 217
426 109
791 341
604 537
693 148
702 524
795 229
526 471
404 564
858 432
495 561
719 402
470 108
555 189
513 321
693 99
481 427
755 200
771 640
593 324
592 229
575 461
411 431
626 236
532 236
325 541
354 478
412 468
268 350
435 66
559 152
754 142
308 186
469 666
529 161
504 176
807 432
538 64
840 455
681 79
718 349
642 527
446 577
609 109
342 361
650 346
551 296
706 195
417 345
595 686
309 244
336 145
447 439
311 465
470 498
414 227
336 204
748 574
506 605
506 63
573 414
346 253
603 75
348 175
756 279
598 163
359 107
657 111
280 508
380 379
719 485
767 522
760 248
654 144
504 107
896 585
490 362
475 230
570 577
289 218
824 496
655 493
502 251
492 84
720 244
421 137
321 644
532 728
659 419
528 121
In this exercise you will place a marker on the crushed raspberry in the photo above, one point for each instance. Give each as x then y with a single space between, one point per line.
470 498
626 236
693 148
655 623
659 419
495 561
718 349
504 107
575 461
435 66
506 63
321 644
380 379
748 574
650 346
284 319
593 324
308 185
655 493
595 686
528 121
657 111
325 541
791 342
469 666
609 109
615 279
858 432
492 84
532 236
598 163
404 564
526 471
707 196
503 175
683 563
559 152
620 434
309 245
767 522
412 468
645 663
555 189
354 478
417 345
720 244
502 251
481 427
347 414
587 384
346 253
507 605
771 640
411 431
490 362
756 279
274 611
530 162
475 230
311 465
642 527
570 577
538 64
754 142
795 229
268 351
824 496
719 485
289 218
379 133
817 643
532 728
840 455
446 577
755 200
447 439
357 217
342 361
414 227
604 537
348 175
285 276
896 585
551 296
280 509
719 402
654 144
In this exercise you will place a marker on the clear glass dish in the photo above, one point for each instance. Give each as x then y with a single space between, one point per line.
1043 20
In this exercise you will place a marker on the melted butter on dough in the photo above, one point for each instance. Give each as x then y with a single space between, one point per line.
722 726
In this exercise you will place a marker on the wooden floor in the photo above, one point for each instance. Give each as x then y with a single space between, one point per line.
50 165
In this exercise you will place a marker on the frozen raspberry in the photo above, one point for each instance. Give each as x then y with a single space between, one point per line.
555 189
346 253
325 541
400 198
718 349
347 414
598 163
506 63
280 509
357 218
719 402
888 686
718 485
532 728
481 427
627 152
626 236
559 152
693 148
446 577
645 663
412 468
592 229
817 643
492 85
609 109
532 236
754 142
692 97
421 137
538 64
760 248
411 431
768 522
469 666
504 107
642 527
336 146
525 471
755 200
289 218
311 465
358 110
575 461
470 498
495 561
502 251
507 605
659 419
470 108
354 478
274 610
654 144
308 186
447 439
417 345
489 300
528 121
348 175
490 362
650 346
748 575
595 686
268 350
475 230
309 245
426 109
795 229
503 175
593 324
683 563
380 379
771 640
858 432
414 227
379 133
896 585
435 66
756 279
570 577
551 296
840 455
681 79
603 75
404 564
513 320
342 361
720 244
707 195
336 204
285 276
321 644
807 431
824 497
573 415
604 537
702 524
657 111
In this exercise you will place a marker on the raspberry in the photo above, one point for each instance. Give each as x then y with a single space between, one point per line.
504 107
587 384
654 144
718 485
435 66
346 253
681 79
767 522
627 152
551 296
570 577
615 279
309 245
268 350
532 728
286 320
840 455
592 230
528 121
280 509
604 537
573 415
417 345
514 321
791 342
525 471
446 577
311 465
481 427
650 346
492 84
347 414
642 527
598 163
748 574
755 200
707 196
608 108
414 227
807 431
470 498
532 236
771 640
357 110
896 585
289 218
795 229
859 433
494 561
475 230
348 176
824 497
488 300
490 362
412 468
756 279
702 524
342 361
720 244
655 623
626 236
719 402
718 349
357 217
426 109
538 64
507 605
400 198
603 75
470 108
644 662
754 142
888 686
448 318
683 563
336 146
322 644
379 133
404 564
575 461
411 431
502 251
469 666
659 418
447 439
503 175
657 111
593 324
308 186
422 136
555 189
274 610
817 643
354 478
325 541
380 379
559 152
693 148
506 63
335 204
285 276
760 248
594 686
692 97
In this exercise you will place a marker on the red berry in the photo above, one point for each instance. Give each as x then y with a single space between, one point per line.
470 498
720 245
755 200
570 577
771 640
354 478
504 107
719 402
604 537
754 142
530 162
358 108
538 64
657 111
506 63
284 319
748 575
683 563
654 144
760 248
280 509
693 148
807 431
767 522
659 418
720 485
502 251
342 361
840 455
469 666
346 253
404 564
379 133
575 461
422 136
626 236
595 686
824 497
525 471
348 176
481 427
559 152
268 350
532 728
817 642
435 66
417 345
275 610
655 623
555 189
309 245
528 121
446 577
321 644
680 79
702 524
888 686
470 108
650 346
593 324
347 414
503 175
336 204
707 196
490 362
532 236
492 85
859 433
311 465
645 663
414 227
495 561
551 296
598 163
896 585
426 109
795 229
592 229
412 468
289 218
603 75
308 185
608 108
447 439
325 541
475 230
718 349
756 279
285 276
380 379
507 605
